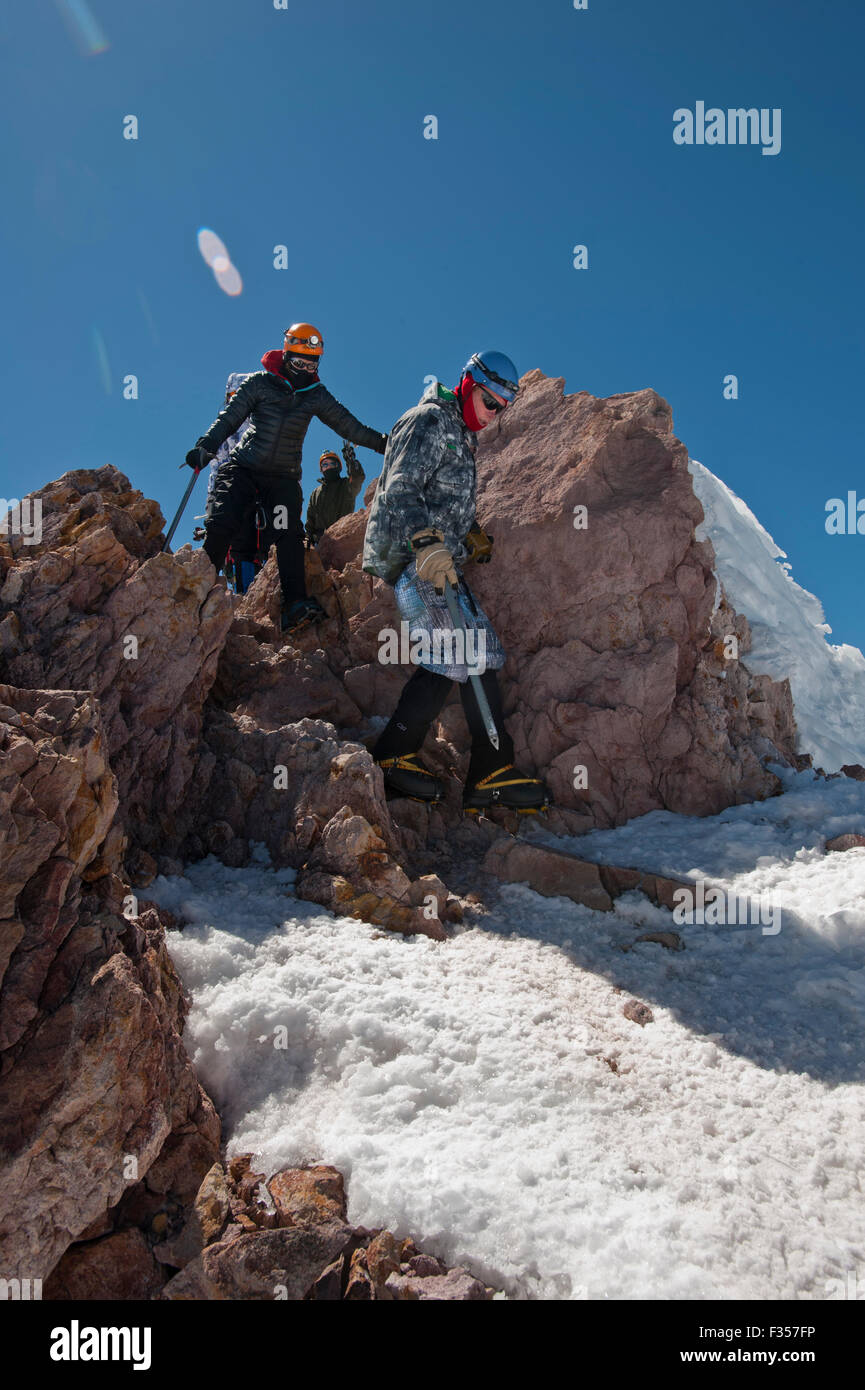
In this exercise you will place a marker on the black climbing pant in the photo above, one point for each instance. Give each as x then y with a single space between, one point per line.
231 508
421 700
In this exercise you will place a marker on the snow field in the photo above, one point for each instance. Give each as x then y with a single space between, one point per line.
463 1088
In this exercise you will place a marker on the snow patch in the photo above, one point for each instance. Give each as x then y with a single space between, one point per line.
487 1095
788 625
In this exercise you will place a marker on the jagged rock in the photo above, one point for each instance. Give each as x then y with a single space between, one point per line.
659 890
212 1204
382 1260
359 1286
95 1078
456 1285
549 872
615 658
206 1224
844 842
328 1286
98 607
355 899
281 1264
426 1266
553 873
308 1196
638 1013
121 1266
430 886
854 770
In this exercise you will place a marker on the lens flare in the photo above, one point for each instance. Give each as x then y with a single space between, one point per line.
215 252
229 280
211 246
146 311
101 358
83 26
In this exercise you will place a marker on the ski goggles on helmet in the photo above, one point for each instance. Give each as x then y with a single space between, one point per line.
511 387
304 364
491 403
313 341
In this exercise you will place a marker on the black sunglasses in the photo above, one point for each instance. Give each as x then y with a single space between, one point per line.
490 402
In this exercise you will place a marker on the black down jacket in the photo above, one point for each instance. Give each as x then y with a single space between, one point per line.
279 418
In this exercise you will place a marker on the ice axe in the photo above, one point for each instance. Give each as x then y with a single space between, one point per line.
477 686
186 496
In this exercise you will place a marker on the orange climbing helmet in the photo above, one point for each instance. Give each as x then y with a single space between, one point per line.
303 340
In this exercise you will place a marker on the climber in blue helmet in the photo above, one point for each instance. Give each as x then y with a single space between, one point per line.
421 530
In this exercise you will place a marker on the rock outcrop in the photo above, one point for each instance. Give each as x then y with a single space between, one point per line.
149 718
97 1093
606 606
96 606
625 684
289 1239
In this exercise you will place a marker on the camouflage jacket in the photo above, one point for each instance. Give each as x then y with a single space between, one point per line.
427 479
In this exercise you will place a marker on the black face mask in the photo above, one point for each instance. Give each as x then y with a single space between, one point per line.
295 377
330 475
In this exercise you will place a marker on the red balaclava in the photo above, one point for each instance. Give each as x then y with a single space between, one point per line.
464 395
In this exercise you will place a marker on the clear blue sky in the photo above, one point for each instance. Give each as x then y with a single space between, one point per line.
304 127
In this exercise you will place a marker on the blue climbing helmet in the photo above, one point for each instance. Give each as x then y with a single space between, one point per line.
494 370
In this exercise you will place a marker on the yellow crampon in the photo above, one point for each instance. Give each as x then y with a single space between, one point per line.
489 784
409 762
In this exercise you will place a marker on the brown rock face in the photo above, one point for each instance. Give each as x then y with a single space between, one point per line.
282 1264
618 686
308 1196
615 660
555 874
95 606
308 1252
121 1266
96 1084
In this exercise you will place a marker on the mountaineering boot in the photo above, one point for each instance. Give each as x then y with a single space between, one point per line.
508 789
300 614
406 775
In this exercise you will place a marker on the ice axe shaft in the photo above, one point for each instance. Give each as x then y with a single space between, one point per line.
186 496
477 686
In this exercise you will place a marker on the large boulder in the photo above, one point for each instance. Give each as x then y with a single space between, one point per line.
608 608
97 1092
95 605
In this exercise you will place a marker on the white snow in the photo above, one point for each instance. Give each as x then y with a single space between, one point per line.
463 1090
789 628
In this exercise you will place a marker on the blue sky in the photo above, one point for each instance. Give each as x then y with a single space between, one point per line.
304 127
